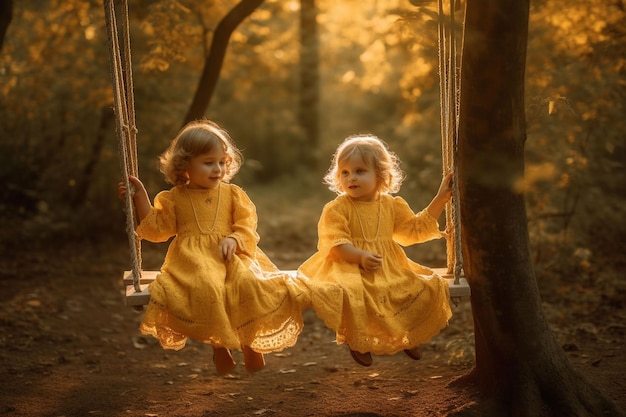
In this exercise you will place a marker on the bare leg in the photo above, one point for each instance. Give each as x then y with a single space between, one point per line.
254 361
223 360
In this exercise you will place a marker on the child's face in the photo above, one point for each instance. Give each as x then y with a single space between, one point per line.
358 179
207 170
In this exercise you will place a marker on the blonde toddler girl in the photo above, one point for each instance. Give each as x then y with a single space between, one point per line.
389 302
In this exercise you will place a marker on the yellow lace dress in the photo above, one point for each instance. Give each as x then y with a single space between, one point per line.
399 306
199 295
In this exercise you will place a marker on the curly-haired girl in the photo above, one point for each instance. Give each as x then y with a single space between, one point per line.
389 303
215 286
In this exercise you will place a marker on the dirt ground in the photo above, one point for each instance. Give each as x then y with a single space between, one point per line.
70 347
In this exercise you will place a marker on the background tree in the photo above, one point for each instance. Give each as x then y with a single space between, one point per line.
309 82
217 51
6 13
520 367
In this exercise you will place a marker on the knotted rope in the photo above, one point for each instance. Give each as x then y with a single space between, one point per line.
449 108
126 130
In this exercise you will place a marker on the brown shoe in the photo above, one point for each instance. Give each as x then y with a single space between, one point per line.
223 360
364 359
415 353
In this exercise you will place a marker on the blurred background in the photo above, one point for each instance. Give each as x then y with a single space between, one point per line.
297 77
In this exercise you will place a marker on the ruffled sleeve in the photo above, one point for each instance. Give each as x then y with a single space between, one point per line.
333 227
160 223
410 228
244 221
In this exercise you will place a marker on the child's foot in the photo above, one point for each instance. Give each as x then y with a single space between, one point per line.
364 359
253 361
223 360
415 353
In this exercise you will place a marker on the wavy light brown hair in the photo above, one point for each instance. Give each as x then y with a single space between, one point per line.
196 138
376 154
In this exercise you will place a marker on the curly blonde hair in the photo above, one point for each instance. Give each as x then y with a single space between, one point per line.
196 138
376 154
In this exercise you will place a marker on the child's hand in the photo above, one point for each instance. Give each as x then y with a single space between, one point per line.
135 184
228 247
138 193
445 189
436 207
370 262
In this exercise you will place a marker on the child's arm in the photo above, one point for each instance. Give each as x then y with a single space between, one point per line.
243 237
367 260
436 206
140 196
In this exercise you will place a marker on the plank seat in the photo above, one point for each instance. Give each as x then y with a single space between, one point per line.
134 299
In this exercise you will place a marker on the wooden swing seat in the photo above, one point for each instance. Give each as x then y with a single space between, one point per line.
135 299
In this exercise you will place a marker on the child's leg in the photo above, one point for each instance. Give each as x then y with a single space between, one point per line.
223 360
254 361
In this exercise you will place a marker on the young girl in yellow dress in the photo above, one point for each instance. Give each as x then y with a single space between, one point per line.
216 285
390 303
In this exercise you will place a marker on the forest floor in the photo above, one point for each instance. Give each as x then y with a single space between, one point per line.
70 347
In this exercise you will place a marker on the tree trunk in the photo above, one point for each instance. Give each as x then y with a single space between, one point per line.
520 368
309 83
213 62
6 14
85 180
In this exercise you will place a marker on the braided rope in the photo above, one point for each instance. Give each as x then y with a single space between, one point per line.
449 109
126 130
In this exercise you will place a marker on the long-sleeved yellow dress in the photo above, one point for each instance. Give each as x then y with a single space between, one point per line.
199 295
399 306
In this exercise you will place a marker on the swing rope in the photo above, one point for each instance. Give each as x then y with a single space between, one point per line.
449 108
126 130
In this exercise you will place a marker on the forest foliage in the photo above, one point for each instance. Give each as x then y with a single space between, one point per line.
378 73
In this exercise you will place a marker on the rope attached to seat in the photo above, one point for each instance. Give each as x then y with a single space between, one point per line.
126 130
449 108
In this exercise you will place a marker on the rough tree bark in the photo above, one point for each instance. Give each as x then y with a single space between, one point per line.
215 59
520 368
